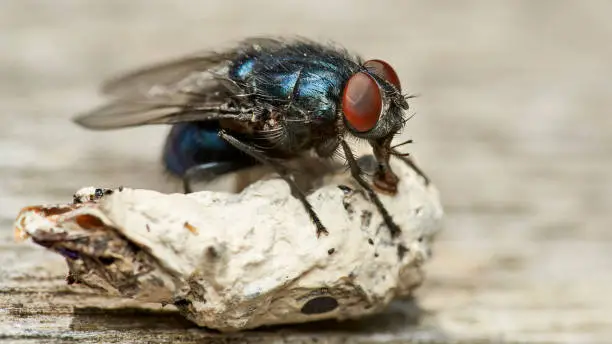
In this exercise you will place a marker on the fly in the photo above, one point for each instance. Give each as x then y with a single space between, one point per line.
264 102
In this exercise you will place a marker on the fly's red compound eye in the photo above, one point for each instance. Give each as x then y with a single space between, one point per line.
383 70
361 102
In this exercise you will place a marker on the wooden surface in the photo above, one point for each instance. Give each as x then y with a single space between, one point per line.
513 123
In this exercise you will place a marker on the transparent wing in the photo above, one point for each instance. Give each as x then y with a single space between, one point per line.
167 74
192 88
182 90
163 75
135 112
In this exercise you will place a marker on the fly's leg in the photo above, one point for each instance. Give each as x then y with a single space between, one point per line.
208 171
406 159
356 173
282 172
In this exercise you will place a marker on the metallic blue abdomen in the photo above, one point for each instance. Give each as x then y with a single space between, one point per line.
194 143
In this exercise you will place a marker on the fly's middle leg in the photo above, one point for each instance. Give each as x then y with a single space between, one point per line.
408 161
282 172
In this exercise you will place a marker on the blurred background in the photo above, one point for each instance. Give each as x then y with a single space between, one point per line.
513 124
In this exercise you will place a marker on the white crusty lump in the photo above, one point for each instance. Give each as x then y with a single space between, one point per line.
239 261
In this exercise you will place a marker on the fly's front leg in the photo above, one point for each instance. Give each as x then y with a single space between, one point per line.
282 172
408 161
384 179
356 173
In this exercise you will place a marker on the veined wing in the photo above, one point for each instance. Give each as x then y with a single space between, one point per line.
129 113
167 74
163 76
176 91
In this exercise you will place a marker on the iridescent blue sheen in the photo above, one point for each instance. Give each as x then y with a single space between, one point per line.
312 82
242 69
194 143
301 79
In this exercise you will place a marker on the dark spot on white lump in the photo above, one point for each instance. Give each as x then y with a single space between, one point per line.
106 260
348 207
99 193
345 189
319 305
181 302
212 253
366 217
401 251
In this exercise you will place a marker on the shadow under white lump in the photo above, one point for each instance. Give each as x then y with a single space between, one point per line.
238 261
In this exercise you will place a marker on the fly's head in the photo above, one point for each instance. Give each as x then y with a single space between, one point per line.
373 108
